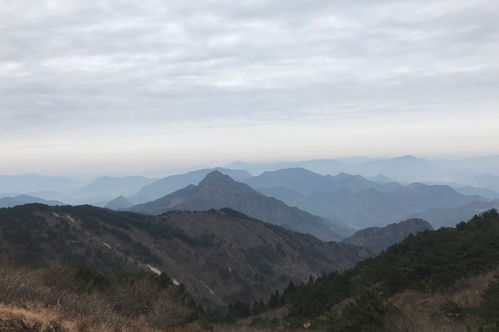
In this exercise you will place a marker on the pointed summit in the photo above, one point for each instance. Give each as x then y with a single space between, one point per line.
217 191
119 203
215 177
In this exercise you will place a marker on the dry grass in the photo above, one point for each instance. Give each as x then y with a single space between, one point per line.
51 299
43 320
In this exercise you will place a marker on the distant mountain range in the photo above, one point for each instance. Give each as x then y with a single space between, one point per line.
487 180
221 255
449 217
373 199
484 192
402 169
307 182
6 202
217 191
107 187
378 239
355 200
28 183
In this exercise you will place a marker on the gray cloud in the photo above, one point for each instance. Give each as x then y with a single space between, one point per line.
107 65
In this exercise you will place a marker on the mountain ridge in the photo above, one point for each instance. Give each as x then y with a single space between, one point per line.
378 239
217 191
221 255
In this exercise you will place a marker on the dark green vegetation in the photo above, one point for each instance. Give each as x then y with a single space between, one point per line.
428 262
238 267
489 308
222 256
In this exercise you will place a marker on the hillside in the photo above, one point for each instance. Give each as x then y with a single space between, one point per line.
217 191
221 255
61 297
378 239
449 272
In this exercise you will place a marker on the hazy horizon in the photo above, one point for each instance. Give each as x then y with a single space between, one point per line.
349 161
113 87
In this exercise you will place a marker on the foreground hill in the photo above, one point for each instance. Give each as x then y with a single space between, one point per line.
60 297
433 281
221 255
218 191
378 239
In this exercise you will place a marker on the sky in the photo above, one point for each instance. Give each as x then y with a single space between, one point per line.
112 86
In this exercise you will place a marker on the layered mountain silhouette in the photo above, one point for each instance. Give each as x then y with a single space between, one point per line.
307 182
405 169
217 191
487 180
221 255
107 187
478 191
28 183
449 217
378 239
355 200
6 202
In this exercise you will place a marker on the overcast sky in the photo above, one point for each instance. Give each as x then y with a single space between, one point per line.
127 86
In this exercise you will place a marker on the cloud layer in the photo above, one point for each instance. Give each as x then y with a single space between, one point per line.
89 73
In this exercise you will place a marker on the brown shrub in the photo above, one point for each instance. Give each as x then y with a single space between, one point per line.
53 299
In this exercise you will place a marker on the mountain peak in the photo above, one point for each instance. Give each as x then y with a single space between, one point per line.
218 191
118 203
215 177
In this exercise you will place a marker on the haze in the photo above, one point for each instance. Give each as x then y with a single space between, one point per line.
92 87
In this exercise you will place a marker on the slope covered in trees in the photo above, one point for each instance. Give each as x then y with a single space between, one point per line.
428 263
221 255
